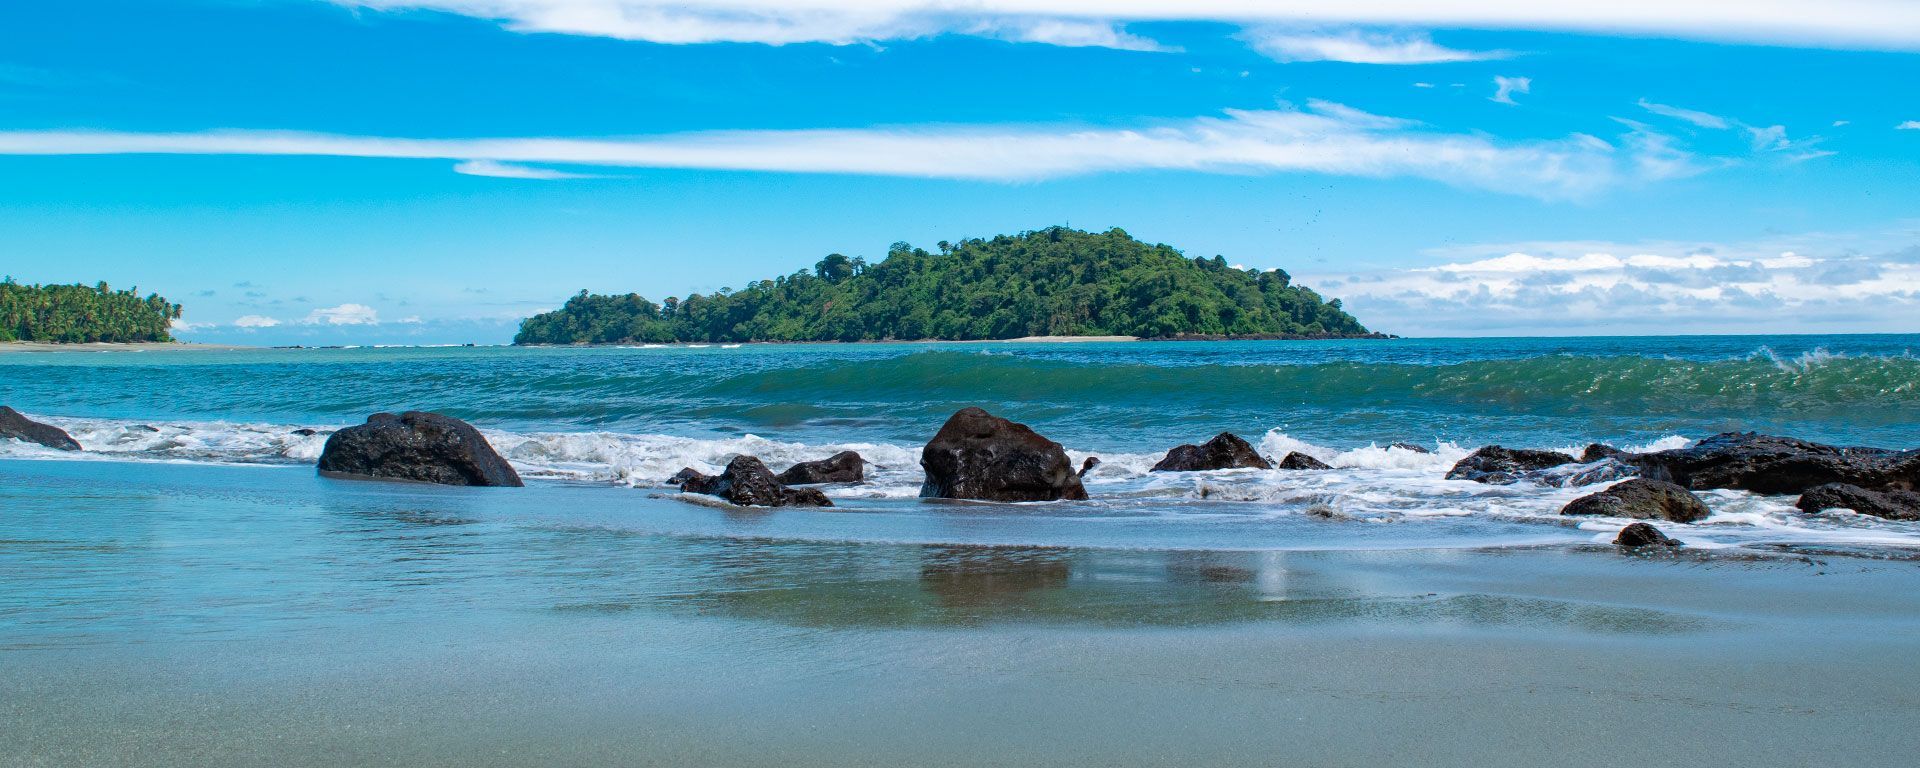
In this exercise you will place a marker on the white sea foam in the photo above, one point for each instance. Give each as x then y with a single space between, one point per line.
1370 484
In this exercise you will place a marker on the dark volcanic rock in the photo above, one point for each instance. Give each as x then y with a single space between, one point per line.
1576 475
1643 535
19 427
1600 451
1298 460
304 432
977 455
842 467
1767 464
689 475
748 483
417 446
1088 465
1496 465
1641 499
1411 447
1225 451
1892 505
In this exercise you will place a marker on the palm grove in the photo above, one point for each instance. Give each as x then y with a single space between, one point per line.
80 313
1050 282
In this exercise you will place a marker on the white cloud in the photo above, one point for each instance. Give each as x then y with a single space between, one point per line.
182 326
499 170
1323 138
255 321
1505 87
1423 85
345 314
1696 117
1842 123
1873 24
1813 282
1358 47
1910 125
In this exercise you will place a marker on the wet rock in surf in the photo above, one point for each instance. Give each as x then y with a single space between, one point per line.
689 475
977 455
1576 475
14 425
1890 504
1298 460
842 467
1640 535
1600 452
1750 461
1088 465
1641 499
417 446
304 432
1497 465
748 483
1411 447
1225 451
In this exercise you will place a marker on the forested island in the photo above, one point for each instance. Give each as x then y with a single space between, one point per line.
1050 282
79 314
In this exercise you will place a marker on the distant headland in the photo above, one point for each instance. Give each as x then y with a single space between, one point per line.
81 314
1053 282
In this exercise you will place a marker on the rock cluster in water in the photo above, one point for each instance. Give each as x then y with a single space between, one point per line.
1641 499
1640 535
1499 465
417 446
1225 451
977 455
14 425
842 467
748 483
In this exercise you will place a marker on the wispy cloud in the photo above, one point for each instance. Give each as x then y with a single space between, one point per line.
1910 125
499 170
1322 138
1505 87
1877 24
345 314
255 321
1702 119
1357 47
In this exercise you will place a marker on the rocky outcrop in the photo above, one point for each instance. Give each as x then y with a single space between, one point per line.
1225 451
688 475
18 427
1088 465
1298 460
1497 465
1892 505
1641 499
1411 447
842 467
1750 461
1640 535
1576 475
748 483
416 446
977 455
1600 452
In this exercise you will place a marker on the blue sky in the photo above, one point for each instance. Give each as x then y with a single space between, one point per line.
430 171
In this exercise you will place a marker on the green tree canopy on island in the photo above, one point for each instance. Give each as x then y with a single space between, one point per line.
79 313
1050 282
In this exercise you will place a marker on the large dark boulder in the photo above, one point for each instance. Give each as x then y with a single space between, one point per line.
842 467
1601 452
1640 535
13 425
1892 504
977 455
417 446
1779 465
1641 499
748 483
1298 460
1497 465
1225 451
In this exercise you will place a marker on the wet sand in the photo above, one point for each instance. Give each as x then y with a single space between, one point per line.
162 615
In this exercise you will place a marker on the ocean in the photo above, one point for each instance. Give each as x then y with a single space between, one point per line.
188 592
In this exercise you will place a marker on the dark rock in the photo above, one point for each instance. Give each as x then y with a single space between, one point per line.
688 475
1088 465
1298 460
1892 504
1576 475
144 428
303 432
1781 465
977 455
13 425
842 467
1495 465
1599 452
1641 499
417 446
1225 451
1411 447
1640 535
748 483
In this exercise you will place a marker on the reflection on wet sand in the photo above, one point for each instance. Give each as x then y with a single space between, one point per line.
987 577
